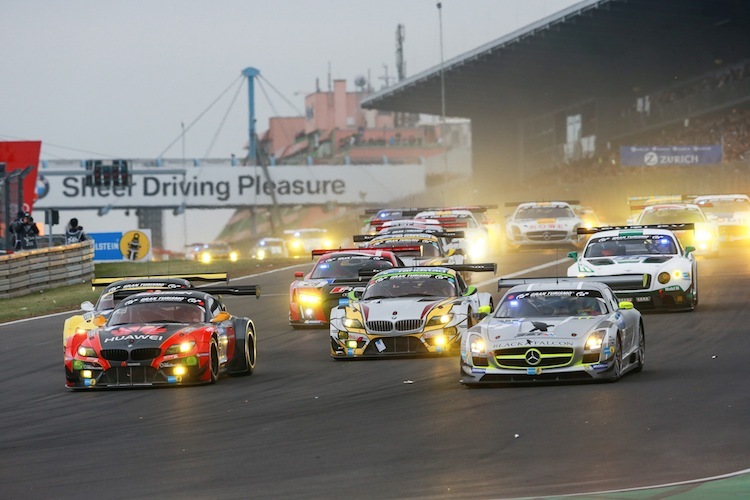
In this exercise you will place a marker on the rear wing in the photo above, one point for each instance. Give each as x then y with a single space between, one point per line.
687 226
475 268
363 238
615 282
552 202
394 249
210 277
233 290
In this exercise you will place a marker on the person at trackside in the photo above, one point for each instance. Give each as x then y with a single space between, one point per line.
74 233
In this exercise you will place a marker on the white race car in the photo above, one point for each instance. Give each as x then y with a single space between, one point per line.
704 236
409 311
542 224
668 272
476 240
554 330
731 212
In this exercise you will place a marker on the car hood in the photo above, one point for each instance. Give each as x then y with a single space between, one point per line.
140 335
521 332
401 308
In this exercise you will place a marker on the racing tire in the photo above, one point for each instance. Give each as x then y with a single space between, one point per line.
213 361
641 351
694 304
247 363
617 365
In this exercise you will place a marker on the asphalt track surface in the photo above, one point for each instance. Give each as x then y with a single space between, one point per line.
306 426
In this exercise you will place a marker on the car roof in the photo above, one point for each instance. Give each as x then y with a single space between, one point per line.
672 206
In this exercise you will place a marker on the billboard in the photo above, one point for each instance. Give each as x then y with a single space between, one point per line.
233 187
131 246
663 156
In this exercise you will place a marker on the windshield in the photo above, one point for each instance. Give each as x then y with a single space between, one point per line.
427 249
671 216
725 206
534 212
655 244
552 303
164 312
349 266
411 285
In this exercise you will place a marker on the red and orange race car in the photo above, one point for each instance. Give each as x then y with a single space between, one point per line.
170 337
312 296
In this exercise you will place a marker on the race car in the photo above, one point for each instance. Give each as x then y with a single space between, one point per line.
476 239
409 311
730 212
175 337
117 288
300 242
666 274
269 248
209 252
554 330
427 247
704 235
542 224
334 275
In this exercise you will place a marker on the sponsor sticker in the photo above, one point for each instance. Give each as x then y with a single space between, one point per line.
380 345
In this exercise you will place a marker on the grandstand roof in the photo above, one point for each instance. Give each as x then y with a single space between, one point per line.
605 48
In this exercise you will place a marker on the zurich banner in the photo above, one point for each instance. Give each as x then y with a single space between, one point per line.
662 156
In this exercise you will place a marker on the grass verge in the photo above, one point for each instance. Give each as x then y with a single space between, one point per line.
69 298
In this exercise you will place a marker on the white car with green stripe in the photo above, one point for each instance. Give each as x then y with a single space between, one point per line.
670 272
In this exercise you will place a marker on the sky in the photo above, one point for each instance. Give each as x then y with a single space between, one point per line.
124 78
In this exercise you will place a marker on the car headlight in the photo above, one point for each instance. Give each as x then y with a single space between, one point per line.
352 323
327 244
595 340
476 344
86 352
181 348
440 319
233 256
295 244
663 278
261 254
309 299
206 258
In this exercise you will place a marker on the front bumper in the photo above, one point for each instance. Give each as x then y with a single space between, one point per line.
132 376
663 299
374 346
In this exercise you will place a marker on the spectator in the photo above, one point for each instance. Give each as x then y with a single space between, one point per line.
74 233
24 232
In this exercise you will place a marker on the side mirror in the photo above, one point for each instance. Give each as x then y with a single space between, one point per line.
484 311
470 290
625 304
356 294
99 320
573 255
222 316
298 275
689 250
87 306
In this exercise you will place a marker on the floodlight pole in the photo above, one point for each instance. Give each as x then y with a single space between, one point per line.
250 74
442 94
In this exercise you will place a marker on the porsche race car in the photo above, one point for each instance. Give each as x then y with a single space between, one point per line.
174 337
669 271
408 311
334 275
554 330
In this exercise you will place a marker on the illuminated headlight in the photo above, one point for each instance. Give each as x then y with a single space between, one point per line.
595 341
181 348
86 374
663 278
86 352
233 256
676 274
478 248
703 235
351 344
443 319
476 344
206 258
179 370
352 323
261 254
439 340
327 244
295 244
309 299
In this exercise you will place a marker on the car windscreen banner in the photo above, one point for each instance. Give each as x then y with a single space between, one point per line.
665 156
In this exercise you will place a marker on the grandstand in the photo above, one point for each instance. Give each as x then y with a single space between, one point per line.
552 103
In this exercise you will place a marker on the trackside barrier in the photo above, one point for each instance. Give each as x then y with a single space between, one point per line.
31 271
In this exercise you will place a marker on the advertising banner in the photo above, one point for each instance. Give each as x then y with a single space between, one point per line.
663 156
235 187
133 246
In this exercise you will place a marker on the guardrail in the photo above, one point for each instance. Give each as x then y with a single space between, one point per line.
31 271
